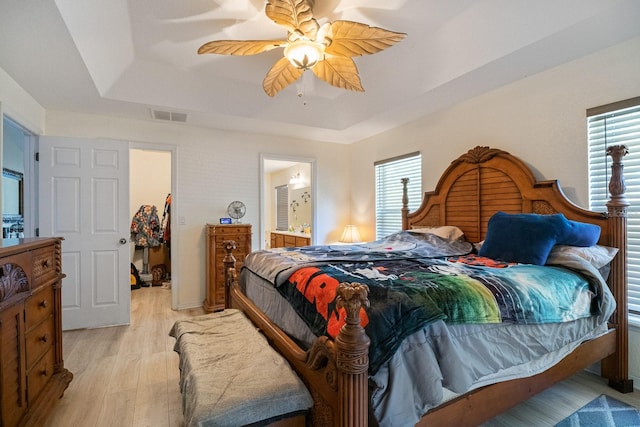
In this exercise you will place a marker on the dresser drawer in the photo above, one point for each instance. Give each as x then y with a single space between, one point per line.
227 230
39 341
38 307
44 267
238 256
240 239
38 376
219 278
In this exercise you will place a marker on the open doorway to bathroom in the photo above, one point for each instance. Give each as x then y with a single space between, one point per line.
287 194
150 202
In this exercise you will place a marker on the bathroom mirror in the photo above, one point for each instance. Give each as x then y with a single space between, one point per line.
300 207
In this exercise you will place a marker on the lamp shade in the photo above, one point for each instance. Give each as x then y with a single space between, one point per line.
350 234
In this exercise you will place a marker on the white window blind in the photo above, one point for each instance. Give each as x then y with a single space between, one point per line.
389 191
618 124
282 207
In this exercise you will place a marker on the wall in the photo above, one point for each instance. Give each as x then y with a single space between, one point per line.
541 119
19 105
213 168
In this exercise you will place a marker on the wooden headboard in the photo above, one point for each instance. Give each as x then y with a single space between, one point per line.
486 180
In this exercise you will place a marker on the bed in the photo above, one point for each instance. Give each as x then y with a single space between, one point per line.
364 376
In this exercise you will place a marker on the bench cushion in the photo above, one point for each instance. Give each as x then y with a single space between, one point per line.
230 375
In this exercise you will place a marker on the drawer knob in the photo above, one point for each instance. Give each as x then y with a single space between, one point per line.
44 303
43 338
44 372
45 263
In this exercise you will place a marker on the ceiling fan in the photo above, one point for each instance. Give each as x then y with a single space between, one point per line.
325 50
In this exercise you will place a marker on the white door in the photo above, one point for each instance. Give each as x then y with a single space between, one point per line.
84 198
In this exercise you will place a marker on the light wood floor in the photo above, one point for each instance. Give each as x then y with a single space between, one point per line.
125 375
128 376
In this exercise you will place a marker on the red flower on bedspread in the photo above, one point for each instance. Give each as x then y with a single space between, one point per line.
320 290
472 259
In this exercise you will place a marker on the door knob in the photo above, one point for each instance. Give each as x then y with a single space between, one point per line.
123 241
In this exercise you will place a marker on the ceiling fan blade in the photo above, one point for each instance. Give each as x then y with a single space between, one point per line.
240 47
339 71
295 15
350 38
281 75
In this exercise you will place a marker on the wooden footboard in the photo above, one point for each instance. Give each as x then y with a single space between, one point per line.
336 371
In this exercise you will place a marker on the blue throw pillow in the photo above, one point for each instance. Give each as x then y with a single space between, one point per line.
524 238
581 234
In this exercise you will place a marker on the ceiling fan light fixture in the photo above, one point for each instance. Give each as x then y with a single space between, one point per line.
327 49
304 54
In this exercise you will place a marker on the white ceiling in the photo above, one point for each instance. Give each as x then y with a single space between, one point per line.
126 57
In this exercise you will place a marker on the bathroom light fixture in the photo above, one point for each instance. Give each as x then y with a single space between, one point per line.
295 179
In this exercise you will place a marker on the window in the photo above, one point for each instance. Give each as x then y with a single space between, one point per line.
618 124
389 191
282 207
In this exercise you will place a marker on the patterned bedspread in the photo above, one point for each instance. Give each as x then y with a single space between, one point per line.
415 279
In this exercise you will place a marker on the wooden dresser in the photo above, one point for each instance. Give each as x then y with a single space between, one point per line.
31 365
215 237
288 240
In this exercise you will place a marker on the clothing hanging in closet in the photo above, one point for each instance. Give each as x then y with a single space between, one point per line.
145 227
165 227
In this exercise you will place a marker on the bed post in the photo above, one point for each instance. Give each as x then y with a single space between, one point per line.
229 263
616 366
352 357
405 204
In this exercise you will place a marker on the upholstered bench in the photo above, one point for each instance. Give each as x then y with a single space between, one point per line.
230 376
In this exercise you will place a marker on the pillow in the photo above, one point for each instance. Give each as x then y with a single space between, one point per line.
596 255
523 238
450 232
581 234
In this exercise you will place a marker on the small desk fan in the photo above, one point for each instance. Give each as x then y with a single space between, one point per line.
236 210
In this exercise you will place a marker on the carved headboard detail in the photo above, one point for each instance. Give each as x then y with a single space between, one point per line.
484 181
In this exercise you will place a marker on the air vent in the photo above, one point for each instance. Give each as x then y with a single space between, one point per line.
170 116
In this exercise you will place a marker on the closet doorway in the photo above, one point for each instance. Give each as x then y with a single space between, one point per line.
151 200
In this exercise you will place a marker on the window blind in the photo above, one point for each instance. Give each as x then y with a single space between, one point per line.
618 124
389 191
282 208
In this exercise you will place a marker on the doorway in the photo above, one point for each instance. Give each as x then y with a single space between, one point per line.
151 200
298 174
19 198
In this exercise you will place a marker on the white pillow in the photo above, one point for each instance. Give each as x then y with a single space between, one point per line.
596 255
450 232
